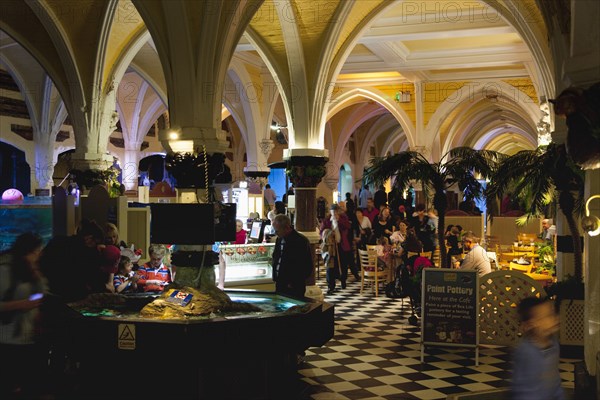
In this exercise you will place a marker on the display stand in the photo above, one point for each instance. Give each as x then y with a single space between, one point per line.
450 304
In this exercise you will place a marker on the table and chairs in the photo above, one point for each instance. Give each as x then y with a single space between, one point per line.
522 257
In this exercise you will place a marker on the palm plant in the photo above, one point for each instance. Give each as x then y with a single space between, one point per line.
539 176
457 167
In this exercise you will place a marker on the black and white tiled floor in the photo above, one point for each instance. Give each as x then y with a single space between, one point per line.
375 354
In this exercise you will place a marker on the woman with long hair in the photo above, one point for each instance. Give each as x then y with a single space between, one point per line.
383 227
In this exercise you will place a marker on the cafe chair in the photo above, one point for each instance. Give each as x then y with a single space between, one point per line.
519 267
426 254
436 257
412 253
370 273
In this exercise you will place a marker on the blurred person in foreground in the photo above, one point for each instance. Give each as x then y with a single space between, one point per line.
22 289
535 370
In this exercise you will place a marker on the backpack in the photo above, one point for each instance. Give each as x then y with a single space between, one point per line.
401 287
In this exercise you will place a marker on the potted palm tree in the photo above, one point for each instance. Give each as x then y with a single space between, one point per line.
541 176
456 167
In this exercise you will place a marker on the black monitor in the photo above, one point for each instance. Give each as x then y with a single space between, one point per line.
182 223
257 231
225 222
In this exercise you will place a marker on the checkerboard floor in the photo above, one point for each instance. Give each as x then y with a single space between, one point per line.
375 354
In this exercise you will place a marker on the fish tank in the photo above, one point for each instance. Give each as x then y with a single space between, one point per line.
32 214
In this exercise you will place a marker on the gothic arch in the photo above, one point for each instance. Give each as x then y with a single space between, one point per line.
347 97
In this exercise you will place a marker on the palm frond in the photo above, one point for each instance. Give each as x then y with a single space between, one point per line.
405 167
483 162
523 172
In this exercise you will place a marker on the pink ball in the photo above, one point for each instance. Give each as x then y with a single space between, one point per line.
12 195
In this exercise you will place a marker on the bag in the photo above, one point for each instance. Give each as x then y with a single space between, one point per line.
338 237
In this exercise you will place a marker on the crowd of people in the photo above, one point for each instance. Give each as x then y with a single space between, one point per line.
29 273
347 228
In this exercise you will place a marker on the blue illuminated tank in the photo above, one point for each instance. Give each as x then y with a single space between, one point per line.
33 214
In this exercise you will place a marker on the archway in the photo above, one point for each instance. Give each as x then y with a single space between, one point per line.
15 170
153 168
346 184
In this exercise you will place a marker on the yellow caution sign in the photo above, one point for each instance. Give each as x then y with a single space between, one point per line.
126 337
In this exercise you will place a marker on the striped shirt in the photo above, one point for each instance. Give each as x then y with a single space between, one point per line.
149 273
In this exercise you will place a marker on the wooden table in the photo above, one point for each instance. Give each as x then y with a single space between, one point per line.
519 254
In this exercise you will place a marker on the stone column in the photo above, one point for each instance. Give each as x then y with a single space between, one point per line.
305 173
129 168
591 273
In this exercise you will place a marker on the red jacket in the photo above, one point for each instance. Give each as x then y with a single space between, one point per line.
240 237
343 227
371 214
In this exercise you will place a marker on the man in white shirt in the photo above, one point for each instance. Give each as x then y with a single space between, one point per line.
365 194
548 230
477 258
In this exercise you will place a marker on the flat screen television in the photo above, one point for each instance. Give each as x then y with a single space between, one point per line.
257 231
182 223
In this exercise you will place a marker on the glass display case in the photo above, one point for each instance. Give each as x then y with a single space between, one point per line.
34 214
246 266
233 355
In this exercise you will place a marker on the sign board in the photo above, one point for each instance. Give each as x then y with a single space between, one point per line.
450 304
126 336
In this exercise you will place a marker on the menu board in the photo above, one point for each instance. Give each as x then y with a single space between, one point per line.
449 307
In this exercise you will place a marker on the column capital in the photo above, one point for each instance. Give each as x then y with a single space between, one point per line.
306 171
84 161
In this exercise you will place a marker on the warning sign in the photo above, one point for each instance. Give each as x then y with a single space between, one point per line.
126 337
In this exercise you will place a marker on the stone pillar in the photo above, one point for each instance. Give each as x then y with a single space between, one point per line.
591 273
129 168
305 173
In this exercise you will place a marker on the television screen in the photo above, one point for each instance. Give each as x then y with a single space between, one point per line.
182 223
225 222
256 231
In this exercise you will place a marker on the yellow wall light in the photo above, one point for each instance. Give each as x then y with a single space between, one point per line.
590 223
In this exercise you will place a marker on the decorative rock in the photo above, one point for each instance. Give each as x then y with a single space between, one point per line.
202 303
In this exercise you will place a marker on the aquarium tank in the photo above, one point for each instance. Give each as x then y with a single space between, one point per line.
32 214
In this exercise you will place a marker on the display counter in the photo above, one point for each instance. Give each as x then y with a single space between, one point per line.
246 266
233 355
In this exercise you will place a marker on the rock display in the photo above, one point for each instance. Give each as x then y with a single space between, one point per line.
201 303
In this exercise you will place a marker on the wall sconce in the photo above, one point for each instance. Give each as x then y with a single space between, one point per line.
590 223
402 97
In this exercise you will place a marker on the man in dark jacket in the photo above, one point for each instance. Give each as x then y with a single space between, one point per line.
380 197
292 258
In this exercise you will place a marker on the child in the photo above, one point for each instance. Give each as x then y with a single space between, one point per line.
125 281
111 236
535 371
